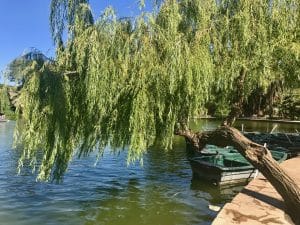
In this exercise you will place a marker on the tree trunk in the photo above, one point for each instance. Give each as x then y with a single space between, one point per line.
237 105
191 139
258 155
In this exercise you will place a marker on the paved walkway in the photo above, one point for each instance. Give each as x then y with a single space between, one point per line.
259 202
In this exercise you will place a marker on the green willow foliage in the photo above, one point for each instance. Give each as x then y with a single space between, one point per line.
5 106
62 16
257 36
127 84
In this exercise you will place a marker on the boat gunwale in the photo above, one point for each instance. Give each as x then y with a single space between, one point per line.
208 164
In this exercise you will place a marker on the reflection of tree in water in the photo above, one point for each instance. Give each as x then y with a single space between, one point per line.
157 193
168 165
216 194
18 192
135 203
9 156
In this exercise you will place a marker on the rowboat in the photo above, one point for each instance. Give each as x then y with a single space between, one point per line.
227 167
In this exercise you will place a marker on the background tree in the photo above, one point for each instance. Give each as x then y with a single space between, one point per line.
18 70
247 39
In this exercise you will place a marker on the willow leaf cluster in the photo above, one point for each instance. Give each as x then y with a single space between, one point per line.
62 17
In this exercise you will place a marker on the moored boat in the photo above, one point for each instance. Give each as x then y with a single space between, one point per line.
227 168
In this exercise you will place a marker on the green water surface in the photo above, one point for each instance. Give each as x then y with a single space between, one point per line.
110 193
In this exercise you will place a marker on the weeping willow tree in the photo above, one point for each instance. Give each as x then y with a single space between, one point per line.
129 84
133 81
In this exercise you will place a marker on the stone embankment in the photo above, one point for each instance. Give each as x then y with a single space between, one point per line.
259 202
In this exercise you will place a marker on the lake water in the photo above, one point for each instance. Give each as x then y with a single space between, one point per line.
110 193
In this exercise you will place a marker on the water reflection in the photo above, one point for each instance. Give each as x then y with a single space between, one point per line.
136 204
217 193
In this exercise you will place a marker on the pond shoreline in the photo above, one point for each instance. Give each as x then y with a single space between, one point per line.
259 119
259 202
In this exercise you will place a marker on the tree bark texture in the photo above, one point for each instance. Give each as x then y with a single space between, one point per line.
258 155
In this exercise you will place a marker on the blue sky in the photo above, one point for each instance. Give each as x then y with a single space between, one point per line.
25 23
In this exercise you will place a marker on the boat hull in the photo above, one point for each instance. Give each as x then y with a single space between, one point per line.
226 167
222 176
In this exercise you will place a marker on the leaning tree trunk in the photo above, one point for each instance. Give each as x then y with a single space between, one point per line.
258 155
